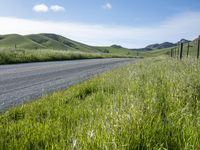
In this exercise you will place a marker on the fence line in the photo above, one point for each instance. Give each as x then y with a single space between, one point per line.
177 52
198 48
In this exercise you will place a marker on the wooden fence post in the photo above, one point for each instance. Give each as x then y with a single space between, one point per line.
177 53
198 47
188 49
181 52
172 52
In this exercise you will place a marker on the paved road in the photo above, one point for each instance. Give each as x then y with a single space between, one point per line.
25 82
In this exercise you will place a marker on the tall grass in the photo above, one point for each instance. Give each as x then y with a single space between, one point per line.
25 56
153 104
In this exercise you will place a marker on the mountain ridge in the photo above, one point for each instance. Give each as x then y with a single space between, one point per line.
162 45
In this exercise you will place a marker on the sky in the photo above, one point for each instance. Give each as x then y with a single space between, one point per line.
130 23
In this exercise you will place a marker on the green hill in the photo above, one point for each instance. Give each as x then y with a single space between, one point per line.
54 42
15 40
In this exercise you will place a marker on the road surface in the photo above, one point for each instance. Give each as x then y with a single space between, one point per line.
24 82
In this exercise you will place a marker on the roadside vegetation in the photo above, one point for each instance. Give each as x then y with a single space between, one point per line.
153 104
25 56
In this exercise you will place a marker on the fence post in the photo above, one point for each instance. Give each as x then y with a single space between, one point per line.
172 52
188 49
198 47
177 53
181 52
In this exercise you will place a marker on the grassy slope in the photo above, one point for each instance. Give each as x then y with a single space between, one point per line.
52 41
9 41
71 44
46 42
50 47
151 104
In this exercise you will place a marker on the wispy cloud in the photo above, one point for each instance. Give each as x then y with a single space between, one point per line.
41 8
57 8
185 25
107 6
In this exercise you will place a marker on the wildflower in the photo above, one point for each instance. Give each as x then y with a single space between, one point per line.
74 143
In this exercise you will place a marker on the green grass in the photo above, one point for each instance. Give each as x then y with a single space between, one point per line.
25 56
12 40
153 104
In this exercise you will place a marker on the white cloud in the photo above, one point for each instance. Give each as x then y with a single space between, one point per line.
185 25
41 8
107 6
57 8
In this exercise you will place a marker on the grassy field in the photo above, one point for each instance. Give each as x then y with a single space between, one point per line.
153 104
25 56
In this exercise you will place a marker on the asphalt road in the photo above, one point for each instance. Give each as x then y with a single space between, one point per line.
24 82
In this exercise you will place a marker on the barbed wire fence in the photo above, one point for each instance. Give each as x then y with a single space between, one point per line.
178 52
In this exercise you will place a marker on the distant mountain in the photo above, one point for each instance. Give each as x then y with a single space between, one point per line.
183 41
162 45
116 46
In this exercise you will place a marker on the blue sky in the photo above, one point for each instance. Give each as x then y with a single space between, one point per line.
131 23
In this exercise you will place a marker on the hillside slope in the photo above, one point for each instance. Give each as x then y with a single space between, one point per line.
53 42
15 40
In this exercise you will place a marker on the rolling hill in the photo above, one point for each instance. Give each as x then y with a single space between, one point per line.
15 40
54 42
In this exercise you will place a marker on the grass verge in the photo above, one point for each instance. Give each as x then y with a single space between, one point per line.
153 104
25 56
